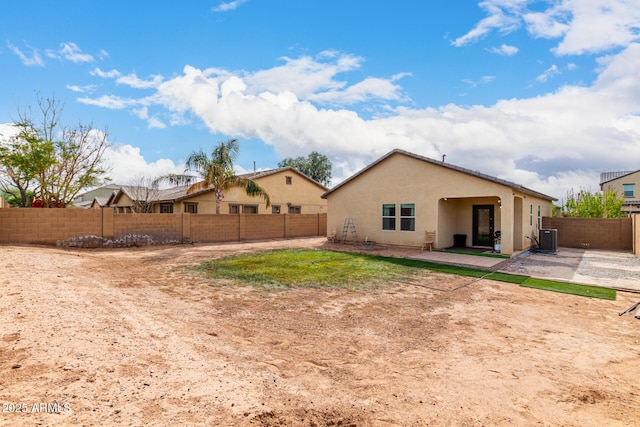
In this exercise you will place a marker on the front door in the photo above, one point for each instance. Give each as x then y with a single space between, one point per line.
483 225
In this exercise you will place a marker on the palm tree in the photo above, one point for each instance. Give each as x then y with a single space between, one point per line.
216 172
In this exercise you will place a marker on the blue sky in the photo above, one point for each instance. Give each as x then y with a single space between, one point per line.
542 93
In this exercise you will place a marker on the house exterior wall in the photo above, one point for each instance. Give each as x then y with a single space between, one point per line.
632 204
443 199
301 192
124 201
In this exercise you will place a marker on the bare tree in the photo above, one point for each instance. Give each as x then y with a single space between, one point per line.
143 192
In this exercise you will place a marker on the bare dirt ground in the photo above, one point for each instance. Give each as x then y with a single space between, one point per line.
131 337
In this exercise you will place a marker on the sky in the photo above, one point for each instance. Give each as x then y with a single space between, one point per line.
542 93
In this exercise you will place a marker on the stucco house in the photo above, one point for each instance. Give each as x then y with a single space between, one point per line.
96 196
402 195
290 192
623 183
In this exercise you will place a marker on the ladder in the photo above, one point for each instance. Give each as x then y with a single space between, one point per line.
349 225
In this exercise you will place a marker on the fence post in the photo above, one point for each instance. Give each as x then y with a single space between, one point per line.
186 227
241 227
107 224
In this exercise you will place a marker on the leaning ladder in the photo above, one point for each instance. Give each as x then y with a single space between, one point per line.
349 225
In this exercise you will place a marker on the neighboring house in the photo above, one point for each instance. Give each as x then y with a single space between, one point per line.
290 191
399 197
86 199
99 202
624 183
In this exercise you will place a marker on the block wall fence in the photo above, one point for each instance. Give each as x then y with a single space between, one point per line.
103 227
593 233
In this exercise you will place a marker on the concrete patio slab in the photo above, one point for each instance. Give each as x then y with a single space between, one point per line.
474 261
610 269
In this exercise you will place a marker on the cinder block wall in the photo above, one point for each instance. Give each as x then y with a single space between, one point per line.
214 228
163 227
48 226
305 226
592 233
269 227
56 226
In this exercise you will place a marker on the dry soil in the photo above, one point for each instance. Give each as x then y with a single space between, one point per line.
132 337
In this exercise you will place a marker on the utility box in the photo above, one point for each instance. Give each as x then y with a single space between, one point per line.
549 239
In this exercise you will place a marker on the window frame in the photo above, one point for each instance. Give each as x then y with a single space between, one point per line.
234 209
389 220
165 205
628 194
246 208
408 219
295 209
275 209
188 205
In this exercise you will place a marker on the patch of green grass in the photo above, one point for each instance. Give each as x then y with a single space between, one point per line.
285 268
304 267
570 288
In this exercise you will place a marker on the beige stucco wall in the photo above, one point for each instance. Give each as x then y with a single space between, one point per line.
617 186
301 192
443 201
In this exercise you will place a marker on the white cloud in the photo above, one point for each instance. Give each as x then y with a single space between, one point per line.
71 52
304 76
29 61
227 6
7 131
112 102
483 81
155 123
82 89
127 165
583 26
526 140
505 50
105 74
132 80
503 16
548 73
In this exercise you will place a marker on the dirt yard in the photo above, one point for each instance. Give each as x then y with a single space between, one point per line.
130 337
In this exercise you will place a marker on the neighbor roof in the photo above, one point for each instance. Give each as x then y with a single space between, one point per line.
610 176
486 177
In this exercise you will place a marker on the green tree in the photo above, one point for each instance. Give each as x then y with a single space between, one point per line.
316 166
216 172
586 204
56 162
23 158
